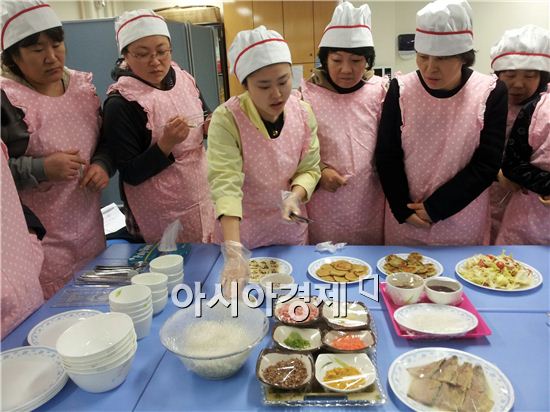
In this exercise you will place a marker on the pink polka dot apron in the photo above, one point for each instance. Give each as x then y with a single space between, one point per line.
347 130
181 190
21 256
496 192
439 137
526 220
70 214
268 167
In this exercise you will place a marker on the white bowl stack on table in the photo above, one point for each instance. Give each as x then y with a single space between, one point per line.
171 266
157 282
97 352
136 301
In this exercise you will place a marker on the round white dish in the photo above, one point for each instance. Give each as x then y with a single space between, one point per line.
30 376
435 320
46 332
315 265
284 267
537 278
399 378
328 361
425 259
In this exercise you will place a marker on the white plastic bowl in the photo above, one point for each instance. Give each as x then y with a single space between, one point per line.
154 281
93 362
129 296
160 294
95 336
167 264
106 365
138 313
158 305
222 364
143 326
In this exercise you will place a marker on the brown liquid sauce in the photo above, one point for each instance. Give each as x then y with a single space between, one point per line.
439 288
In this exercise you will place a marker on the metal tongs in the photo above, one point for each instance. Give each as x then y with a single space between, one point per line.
107 275
298 218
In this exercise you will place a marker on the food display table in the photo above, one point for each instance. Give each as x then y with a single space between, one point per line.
518 346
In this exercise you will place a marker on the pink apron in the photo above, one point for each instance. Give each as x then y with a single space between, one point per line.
21 257
496 192
71 215
354 213
439 137
181 190
268 167
526 220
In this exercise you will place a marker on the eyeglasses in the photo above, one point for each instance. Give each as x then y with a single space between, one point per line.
143 57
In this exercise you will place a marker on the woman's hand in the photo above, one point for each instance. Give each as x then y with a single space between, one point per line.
545 200
175 131
331 180
61 166
95 178
507 183
420 217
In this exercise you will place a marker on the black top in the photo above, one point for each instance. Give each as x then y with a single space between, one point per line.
467 184
33 223
516 165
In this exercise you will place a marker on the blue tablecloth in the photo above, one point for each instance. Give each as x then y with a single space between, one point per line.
519 344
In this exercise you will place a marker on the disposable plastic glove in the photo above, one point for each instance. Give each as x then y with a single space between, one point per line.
235 268
291 204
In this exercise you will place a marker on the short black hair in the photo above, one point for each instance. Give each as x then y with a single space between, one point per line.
55 33
367 52
469 58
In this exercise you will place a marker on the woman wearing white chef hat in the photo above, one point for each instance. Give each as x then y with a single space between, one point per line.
50 124
523 56
347 99
260 144
153 119
441 136
521 59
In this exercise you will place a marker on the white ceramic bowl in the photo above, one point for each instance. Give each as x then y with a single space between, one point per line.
143 325
270 358
449 290
94 362
283 332
184 335
129 297
106 365
97 382
173 284
154 281
137 313
360 361
95 336
158 305
404 288
160 294
167 264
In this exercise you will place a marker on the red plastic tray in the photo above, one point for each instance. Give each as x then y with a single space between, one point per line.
481 330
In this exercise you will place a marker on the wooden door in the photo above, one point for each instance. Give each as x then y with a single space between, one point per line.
269 14
298 28
322 14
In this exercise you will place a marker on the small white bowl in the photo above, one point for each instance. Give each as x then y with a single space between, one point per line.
451 295
312 335
154 281
404 288
143 326
160 294
167 264
270 357
173 284
326 362
159 305
90 361
104 366
129 296
346 315
366 336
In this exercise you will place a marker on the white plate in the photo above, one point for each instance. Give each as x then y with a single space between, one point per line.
31 375
284 267
327 361
46 332
537 278
436 320
399 378
315 265
425 259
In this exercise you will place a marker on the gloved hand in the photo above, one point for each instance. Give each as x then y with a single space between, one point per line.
235 268
291 204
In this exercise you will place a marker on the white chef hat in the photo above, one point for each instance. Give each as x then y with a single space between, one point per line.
526 48
21 18
444 28
136 24
350 27
253 49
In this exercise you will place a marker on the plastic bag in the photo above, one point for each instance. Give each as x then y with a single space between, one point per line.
329 247
168 241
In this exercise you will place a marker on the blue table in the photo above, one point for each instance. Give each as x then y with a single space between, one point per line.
149 353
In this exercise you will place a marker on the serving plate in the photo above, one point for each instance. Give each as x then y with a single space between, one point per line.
535 283
316 265
399 378
46 332
435 320
425 259
282 267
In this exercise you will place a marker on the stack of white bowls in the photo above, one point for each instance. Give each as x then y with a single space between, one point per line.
135 301
171 266
157 282
97 352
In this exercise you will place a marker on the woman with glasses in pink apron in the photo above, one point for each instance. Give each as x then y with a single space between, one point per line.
521 59
50 124
346 97
441 136
263 154
153 120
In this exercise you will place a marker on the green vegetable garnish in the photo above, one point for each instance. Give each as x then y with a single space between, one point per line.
295 341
